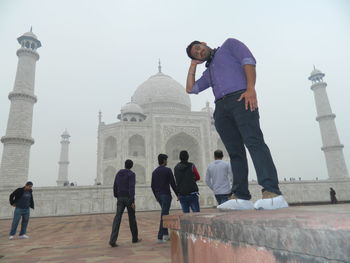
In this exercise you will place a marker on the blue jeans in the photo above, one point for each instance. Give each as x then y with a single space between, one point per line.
165 203
221 198
237 128
20 212
188 201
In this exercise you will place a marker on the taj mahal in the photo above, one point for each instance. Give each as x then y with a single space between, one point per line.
157 119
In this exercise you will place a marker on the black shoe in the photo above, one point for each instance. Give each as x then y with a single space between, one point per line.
113 244
137 241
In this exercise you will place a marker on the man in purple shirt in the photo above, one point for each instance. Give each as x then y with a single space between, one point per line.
162 179
231 75
124 191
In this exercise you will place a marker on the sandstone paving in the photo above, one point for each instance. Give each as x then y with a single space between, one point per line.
84 239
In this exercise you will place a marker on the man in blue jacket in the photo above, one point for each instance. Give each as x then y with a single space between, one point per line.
162 179
231 75
124 191
22 199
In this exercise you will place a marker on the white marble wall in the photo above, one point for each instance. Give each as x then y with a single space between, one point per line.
59 201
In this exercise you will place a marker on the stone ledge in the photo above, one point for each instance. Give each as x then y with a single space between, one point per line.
296 234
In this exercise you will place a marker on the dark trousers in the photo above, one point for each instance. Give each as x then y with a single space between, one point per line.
165 203
20 212
121 204
221 198
189 201
333 199
237 128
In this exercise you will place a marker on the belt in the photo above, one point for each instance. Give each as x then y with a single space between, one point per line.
230 95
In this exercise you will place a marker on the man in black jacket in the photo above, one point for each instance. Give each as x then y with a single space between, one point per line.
22 199
186 175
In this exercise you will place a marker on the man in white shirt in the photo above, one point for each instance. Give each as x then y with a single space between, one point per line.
219 177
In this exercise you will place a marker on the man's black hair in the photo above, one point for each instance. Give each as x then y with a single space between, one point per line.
218 154
162 158
189 47
29 183
128 164
183 156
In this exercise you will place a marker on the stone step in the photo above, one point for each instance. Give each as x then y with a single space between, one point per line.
295 234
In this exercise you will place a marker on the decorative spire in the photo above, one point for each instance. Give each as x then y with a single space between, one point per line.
159 67
99 116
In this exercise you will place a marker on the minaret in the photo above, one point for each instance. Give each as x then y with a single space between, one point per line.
98 179
18 138
63 163
332 148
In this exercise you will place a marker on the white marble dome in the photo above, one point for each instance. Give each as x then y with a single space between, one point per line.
131 107
316 75
315 72
30 34
161 92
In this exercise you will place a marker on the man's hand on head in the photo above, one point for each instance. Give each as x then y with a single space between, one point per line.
195 62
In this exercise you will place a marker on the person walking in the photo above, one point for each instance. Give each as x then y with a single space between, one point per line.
162 179
332 194
219 177
124 191
22 199
186 175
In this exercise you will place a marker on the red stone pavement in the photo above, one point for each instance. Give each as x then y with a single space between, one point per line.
84 239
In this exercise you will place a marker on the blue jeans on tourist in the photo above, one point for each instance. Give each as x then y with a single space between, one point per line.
237 128
189 201
221 198
165 202
20 212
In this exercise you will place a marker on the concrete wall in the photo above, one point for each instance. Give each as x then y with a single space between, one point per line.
59 201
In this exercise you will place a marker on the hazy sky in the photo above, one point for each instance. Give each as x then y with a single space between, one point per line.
95 54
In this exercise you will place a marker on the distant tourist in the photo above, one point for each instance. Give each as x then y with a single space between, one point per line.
332 193
219 177
22 199
231 75
186 175
124 191
162 179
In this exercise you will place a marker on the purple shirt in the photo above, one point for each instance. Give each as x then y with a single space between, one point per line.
225 73
124 184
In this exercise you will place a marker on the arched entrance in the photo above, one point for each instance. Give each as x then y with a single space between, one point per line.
179 142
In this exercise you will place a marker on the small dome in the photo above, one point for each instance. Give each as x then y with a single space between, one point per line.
65 134
316 72
131 107
30 34
316 75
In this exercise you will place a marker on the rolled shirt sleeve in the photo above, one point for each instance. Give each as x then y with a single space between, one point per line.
201 84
